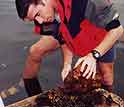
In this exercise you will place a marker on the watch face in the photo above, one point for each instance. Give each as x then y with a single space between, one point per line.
96 55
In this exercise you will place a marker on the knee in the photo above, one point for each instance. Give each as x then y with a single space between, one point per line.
107 73
106 68
36 52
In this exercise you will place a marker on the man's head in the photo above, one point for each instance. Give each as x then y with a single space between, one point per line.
40 10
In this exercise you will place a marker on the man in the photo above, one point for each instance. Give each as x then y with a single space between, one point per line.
43 11
46 44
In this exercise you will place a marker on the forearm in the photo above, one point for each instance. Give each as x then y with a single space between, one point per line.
67 55
109 40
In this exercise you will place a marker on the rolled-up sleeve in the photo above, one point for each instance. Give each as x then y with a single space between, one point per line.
101 12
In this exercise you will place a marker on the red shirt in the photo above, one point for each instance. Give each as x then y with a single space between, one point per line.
88 37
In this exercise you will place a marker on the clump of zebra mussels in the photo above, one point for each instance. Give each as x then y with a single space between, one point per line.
77 92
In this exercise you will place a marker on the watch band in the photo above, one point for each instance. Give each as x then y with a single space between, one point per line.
96 54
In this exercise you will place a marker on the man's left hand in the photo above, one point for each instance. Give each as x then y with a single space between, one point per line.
66 69
88 66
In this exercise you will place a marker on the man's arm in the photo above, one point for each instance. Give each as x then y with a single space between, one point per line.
102 48
110 39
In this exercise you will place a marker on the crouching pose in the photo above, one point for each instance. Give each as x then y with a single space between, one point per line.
71 17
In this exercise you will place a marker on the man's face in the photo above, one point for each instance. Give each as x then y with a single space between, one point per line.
43 12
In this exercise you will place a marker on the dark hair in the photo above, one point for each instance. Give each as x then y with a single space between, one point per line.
23 5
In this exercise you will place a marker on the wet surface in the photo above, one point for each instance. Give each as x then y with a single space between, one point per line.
15 39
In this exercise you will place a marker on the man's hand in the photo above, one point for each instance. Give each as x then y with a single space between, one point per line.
88 66
67 56
66 69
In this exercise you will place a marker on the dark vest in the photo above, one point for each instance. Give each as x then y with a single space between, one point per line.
77 15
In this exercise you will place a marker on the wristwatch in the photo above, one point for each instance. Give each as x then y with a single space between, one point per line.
96 54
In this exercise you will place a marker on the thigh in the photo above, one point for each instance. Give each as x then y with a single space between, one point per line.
106 67
46 44
106 64
109 56
107 72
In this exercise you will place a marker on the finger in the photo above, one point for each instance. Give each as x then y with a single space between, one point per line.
64 74
91 72
78 62
89 75
83 68
94 72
